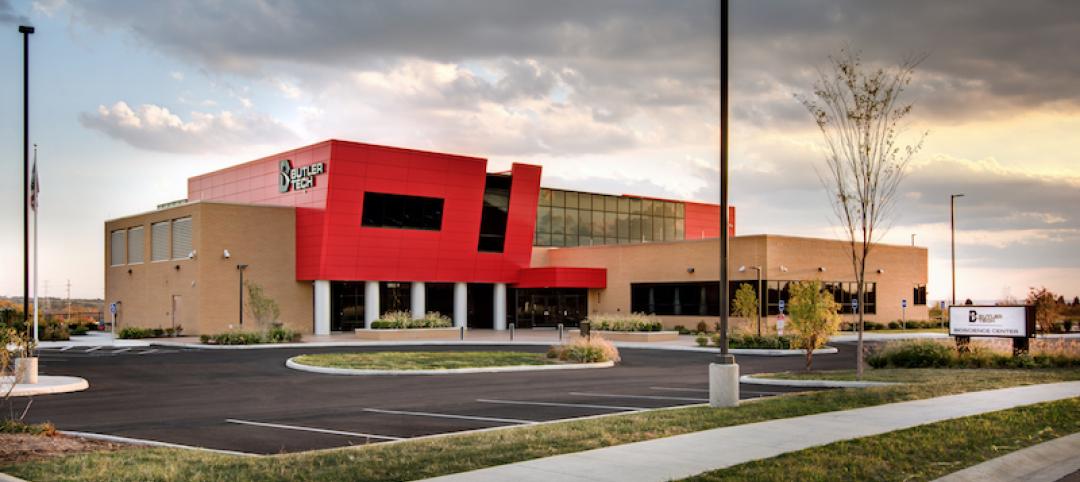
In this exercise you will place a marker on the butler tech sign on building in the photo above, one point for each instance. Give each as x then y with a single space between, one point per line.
338 233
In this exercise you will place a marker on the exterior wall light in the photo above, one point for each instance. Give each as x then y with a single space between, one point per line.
226 254
880 271
690 270
783 269
821 269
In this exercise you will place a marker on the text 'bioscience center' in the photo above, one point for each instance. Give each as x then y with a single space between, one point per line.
339 233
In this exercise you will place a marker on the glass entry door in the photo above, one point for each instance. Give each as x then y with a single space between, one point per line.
547 307
346 305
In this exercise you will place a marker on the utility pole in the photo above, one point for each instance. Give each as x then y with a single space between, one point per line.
68 300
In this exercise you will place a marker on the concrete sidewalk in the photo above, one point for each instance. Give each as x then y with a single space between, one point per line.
1047 462
686 455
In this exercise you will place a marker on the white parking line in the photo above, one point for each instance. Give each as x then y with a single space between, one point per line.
447 415
121 350
311 429
674 389
147 352
554 404
643 397
93 349
66 348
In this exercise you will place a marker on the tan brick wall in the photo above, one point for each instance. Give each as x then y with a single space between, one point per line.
669 262
263 237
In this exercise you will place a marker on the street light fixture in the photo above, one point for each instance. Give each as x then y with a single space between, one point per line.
952 237
26 31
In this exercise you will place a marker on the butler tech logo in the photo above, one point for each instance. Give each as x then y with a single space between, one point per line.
975 317
298 178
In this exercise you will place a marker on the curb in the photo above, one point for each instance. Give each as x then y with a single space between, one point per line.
446 371
10 478
48 385
752 380
354 344
149 443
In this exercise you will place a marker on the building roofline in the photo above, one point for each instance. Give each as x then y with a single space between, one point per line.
198 202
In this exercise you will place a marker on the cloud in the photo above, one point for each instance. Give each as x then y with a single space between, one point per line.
8 16
155 128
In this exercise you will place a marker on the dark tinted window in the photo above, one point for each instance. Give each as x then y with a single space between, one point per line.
398 211
676 298
493 216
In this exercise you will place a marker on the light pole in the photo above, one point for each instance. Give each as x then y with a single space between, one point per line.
912 240
241 268
724 373
952 239
26 31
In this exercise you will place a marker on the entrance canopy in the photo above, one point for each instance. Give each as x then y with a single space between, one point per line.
562 277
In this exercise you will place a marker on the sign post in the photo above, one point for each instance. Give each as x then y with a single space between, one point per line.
855 311
903 314
112 310
780 320
1016 322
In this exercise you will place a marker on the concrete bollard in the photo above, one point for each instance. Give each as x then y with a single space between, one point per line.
511 332
723 385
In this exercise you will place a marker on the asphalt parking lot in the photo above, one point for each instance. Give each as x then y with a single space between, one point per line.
248 401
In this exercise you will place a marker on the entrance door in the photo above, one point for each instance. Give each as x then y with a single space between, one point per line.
346 305
481 303
547 307
177 304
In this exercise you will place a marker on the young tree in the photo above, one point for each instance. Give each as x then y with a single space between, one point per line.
859 112
814 316
746 301
1047 309
263 308
1076 301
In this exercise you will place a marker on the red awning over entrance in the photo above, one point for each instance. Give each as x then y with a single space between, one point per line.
562 277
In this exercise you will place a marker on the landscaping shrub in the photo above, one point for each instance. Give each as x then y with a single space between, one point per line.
630 322
279 334
233 338
585 350
53 330
80 330
772 342
133 332
982 354
403 320
702 340
702 327
682 330
18 427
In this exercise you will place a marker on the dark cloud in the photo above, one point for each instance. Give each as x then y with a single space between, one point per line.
8 15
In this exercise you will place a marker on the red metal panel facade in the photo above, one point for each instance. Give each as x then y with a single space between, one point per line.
332 244
703 221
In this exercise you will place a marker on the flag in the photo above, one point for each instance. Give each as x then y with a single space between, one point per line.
34 186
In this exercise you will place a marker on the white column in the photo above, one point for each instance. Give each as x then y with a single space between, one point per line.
416 300
461 307
371 302
500 306
322 307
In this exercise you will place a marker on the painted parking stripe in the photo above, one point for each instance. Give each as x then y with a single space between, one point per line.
94 348
448 415
66 348
555 404
675 389
147 352
311 429
121 350
643 397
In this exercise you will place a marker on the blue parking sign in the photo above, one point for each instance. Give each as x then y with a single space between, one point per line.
854 304
781 306
903 303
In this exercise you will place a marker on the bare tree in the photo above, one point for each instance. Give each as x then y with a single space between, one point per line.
860 113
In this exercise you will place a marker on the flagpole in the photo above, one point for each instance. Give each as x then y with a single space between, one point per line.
35 206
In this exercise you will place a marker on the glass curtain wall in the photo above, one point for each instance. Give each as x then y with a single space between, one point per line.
571 218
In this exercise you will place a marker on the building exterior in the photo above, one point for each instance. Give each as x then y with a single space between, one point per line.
338 233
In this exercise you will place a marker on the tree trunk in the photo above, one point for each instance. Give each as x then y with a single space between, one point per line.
860 294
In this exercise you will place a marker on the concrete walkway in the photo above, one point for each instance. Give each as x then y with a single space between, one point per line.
1047 462
686 455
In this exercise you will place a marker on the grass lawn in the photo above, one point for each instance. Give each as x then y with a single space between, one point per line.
922 375
919 453
893 331
424 360
408 460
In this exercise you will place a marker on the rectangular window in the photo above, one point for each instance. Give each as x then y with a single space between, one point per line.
635 206
159 241
116 248
135 243
558 198
918 296
598 226
181 238
611 226
624 205
697 298
571 226
494 214
383 210
669 229
680 210
646 227
584 224
543 219
572 200
558 220
545 197
611 204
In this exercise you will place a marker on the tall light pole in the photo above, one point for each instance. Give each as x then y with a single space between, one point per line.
952 237
724 373
26 31
912 240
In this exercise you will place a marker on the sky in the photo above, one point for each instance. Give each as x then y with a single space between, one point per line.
129 98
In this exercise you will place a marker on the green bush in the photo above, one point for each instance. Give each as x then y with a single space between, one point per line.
400 320
631 322
934 354
279 334
585 350
702 340
894 325
53 330
772 342
233 338
80 330
682 330
133 332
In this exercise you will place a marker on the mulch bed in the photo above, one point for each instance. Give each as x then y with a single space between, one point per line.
24 447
